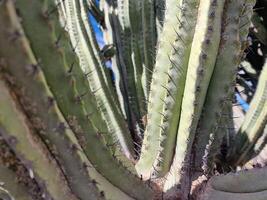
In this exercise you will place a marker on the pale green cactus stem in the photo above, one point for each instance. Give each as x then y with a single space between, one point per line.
238 185
90 103
89 138
254 123
82 36
165 96
29 148
10 189
200 68
212 122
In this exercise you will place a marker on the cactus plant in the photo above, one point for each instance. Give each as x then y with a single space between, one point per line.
68 130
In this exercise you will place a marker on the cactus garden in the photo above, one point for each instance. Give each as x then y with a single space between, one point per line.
149 114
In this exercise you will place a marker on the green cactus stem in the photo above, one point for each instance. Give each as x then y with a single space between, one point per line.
201 63
29 147
64 88
165 97
254 123
220 87
238 185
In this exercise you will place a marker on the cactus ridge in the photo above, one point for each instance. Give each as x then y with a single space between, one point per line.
151 142
113 120
222 78
200 67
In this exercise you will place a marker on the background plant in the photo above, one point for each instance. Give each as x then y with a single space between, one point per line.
158 125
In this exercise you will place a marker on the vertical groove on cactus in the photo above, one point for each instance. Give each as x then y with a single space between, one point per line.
89 64
165 96
216 101
136 37
123 12
149 43
200 68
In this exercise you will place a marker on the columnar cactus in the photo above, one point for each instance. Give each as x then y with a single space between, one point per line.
69 131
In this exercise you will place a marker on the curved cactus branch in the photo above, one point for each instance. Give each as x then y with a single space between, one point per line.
63 83
237 186
254 123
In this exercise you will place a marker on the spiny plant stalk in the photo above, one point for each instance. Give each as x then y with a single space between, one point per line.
154 126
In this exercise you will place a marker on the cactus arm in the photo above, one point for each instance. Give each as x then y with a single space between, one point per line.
51 125
252 128
201 63
60 138
29 148
218 98
237 186
167 75
10 189
89 138
109 110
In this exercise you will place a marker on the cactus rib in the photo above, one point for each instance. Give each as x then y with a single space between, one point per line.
222 79
113 118
202 59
